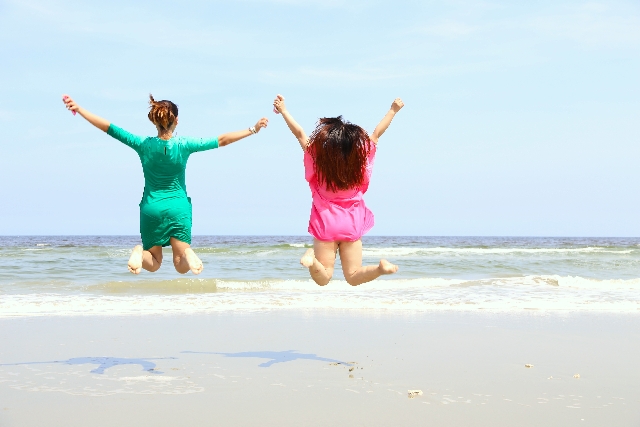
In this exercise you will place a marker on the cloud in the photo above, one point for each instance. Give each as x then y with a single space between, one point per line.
325 4
134 25
593 24
7 116
447 28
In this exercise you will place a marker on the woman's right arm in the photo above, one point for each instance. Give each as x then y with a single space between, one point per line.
294 127
114 131
386 120
97 121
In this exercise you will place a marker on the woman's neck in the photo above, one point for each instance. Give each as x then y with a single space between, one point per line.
166 134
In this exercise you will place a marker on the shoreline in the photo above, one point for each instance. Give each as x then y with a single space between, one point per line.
207 369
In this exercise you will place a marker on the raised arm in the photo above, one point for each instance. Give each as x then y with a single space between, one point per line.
230 137
97 121
386 120
294 127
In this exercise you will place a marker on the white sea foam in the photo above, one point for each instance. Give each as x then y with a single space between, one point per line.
408 251
546 293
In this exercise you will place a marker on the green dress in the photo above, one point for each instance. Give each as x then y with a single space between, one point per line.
165 209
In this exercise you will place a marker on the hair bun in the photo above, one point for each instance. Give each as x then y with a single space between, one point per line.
162 113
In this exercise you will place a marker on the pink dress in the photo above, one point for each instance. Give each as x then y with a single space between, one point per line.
341 215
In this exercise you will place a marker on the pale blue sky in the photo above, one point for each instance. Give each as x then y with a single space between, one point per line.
521 118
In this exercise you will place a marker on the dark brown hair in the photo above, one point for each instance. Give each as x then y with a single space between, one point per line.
339 150
162 113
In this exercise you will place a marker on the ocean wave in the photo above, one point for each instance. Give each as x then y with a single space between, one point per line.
251 250
181 286
188 296
404 251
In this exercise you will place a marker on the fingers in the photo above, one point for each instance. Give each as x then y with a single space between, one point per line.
278 104
262 123
397 104
69 103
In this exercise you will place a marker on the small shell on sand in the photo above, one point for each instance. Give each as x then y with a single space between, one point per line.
528 365
350 369
414 393
576 376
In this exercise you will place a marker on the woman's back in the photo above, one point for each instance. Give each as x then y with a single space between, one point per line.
339 215
163 162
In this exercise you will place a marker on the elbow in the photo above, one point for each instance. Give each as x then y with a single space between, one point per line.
222 141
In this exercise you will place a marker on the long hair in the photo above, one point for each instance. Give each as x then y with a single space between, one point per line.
162 113
339 150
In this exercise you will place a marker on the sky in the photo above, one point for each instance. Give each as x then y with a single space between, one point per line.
520 118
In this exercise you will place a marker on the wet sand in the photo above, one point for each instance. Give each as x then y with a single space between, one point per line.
321 368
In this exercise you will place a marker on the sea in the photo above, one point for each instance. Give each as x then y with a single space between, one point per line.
88 276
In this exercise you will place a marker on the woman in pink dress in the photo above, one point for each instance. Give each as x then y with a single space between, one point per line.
338 161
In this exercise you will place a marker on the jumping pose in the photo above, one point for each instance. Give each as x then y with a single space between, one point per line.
338 161
165 209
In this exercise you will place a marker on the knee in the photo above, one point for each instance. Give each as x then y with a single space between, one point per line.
179 265
350 280
350 277
155 266
323 281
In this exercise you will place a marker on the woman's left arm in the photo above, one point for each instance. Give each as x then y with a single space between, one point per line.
230 137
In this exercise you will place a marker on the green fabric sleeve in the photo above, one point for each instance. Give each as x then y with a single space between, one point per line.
125 137
201 144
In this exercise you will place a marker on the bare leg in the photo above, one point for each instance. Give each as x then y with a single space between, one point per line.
354 272
184 259
320 261
149 260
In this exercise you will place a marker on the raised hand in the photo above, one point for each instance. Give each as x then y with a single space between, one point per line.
397 105
97 121
262 123
386 120
70 104
278 104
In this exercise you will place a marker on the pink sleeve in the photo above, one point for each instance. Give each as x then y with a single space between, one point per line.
309 169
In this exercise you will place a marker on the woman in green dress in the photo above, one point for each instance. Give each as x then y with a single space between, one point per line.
165 209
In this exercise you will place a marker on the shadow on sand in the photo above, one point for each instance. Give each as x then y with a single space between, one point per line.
102 362
274 356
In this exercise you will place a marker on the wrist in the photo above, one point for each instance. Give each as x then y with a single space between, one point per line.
253 130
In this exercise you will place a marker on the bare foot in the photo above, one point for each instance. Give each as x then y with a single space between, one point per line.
386 267
135 260
194 262
308 258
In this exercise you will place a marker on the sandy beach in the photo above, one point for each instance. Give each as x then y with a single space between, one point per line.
315 368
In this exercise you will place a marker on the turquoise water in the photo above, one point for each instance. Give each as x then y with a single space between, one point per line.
87 275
